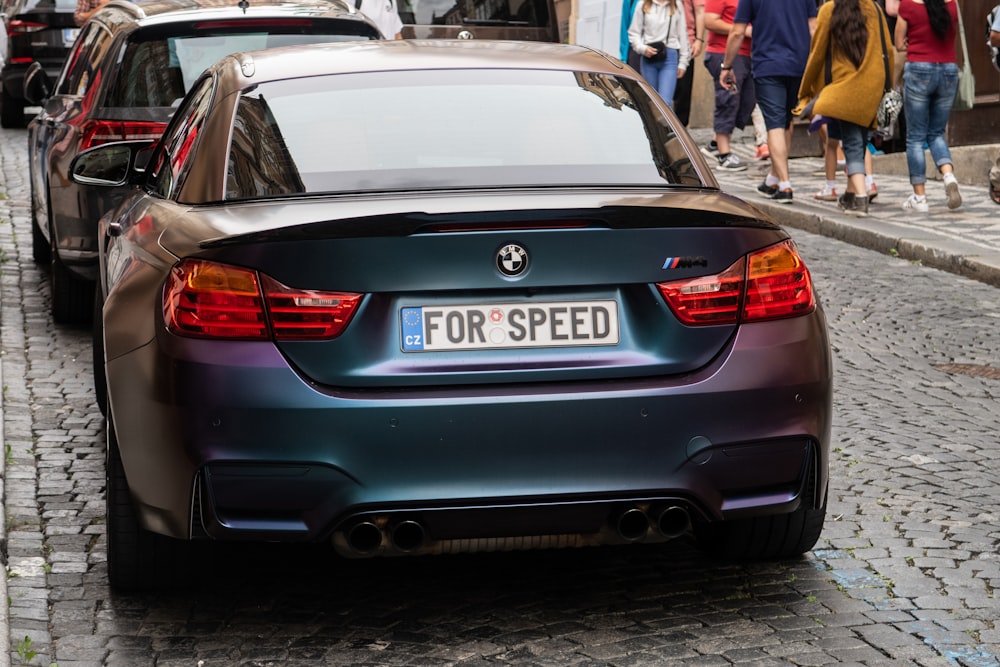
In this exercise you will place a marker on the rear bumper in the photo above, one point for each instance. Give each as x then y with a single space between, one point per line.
240 447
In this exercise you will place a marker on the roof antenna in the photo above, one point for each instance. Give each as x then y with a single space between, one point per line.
244 5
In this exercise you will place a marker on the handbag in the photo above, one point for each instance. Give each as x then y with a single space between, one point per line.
661 52
965 94
892 102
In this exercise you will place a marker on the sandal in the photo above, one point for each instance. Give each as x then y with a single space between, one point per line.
994 194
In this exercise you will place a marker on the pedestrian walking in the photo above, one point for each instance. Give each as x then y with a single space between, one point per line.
658 33
735 103
844 79
782 30
926 31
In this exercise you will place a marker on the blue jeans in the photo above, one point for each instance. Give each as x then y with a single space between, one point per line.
928 93
854 141
662 75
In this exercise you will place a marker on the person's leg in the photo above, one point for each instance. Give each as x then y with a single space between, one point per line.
759 128
731 112
940 110
916 104
635 61
854 140
724 115
668 77
777 106
682 95
777 142
771 100
831 131
870 188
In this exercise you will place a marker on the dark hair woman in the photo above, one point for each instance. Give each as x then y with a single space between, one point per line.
926 30
846 72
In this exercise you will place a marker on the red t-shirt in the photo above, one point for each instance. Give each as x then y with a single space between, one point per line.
922 45
716 42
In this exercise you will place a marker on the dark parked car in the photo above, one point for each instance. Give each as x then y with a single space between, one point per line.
37 31
421 297
130 67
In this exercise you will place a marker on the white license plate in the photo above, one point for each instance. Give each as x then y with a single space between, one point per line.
69 35
514 325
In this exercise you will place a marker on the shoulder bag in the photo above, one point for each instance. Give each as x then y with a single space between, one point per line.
892 102
965 95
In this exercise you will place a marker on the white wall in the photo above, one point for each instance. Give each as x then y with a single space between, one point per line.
598 23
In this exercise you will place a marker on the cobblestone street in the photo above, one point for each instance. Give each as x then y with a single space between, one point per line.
905 572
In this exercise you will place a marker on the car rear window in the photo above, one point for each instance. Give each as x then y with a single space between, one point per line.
450 129
156 71
475 12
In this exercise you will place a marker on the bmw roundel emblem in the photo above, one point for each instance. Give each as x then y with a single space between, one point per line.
512 260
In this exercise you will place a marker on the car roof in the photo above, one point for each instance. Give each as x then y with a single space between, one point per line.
243 69
156 12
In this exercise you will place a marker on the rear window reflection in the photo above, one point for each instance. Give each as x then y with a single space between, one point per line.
448 129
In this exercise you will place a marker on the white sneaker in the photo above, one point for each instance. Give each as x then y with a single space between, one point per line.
916 203
951 191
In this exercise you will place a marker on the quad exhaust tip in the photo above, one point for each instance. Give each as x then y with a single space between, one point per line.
370 536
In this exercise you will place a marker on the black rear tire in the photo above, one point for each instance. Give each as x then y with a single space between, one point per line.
11 111
97 347
72 296
138 559
41 251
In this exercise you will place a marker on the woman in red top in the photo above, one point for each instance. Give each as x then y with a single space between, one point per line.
926 30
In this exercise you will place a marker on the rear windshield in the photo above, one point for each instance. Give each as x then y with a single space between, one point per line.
156 71
532 13
450 129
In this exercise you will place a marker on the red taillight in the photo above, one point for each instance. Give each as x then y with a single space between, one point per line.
769 284
19 27
210 300
97 132
778 284
709 299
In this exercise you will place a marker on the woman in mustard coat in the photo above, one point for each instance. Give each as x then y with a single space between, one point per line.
846 71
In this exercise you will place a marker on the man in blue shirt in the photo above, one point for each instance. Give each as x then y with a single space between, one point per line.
782 31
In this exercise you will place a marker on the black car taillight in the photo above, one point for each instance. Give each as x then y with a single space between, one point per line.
769 284
97 132
212 300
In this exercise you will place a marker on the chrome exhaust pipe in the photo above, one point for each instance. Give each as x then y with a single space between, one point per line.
364 537
407 536
632 525
673 521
